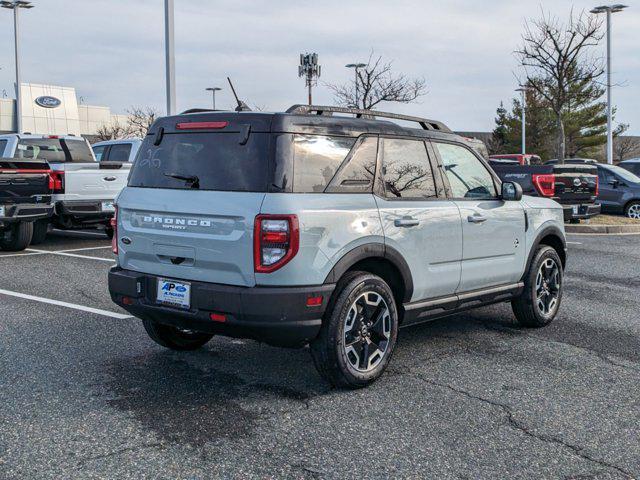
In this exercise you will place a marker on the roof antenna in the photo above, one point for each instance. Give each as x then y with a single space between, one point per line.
242 107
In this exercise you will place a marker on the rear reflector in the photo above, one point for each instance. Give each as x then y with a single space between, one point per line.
218 317
201 125
314 301
545 184
127 300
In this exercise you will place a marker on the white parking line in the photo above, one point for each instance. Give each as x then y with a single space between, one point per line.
83 249
65 254
79 232
574 243
74 306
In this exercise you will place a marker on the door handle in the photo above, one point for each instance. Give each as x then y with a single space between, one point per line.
476 218
406 222
109 179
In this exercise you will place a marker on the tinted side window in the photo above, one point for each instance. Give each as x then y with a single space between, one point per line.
604 177
316 160
468 177
119 152
358 170
3 145
99 151
406 169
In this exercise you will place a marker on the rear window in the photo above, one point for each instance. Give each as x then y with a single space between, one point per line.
207 161
99 151
54 150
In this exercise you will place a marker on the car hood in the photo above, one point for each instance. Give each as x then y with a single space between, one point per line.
540 202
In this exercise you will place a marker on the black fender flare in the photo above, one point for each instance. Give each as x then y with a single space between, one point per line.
545 232
374 250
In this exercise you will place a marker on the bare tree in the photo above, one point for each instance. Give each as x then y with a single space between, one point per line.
556 58
376 83
112 131
625 147
140 119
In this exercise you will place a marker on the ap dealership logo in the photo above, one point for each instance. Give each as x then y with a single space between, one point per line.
47 101
169 286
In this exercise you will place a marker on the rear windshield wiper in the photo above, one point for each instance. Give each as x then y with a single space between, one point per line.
191 180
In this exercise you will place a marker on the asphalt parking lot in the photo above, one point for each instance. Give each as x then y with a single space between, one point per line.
85 394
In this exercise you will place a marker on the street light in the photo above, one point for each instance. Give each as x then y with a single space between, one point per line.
609 9
213 91
16 5
523 90
356 66
170 57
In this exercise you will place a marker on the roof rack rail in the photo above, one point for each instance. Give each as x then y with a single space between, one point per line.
425 123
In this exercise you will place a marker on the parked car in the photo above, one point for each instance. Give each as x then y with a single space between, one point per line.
619 190
306 228
574 186
572 161
83 189
25 198
123 151
633 165
522 159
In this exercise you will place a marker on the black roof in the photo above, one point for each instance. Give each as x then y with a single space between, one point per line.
306 119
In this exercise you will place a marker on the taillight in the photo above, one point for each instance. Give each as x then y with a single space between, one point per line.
597 187
545 184
56 181
275 241
114 226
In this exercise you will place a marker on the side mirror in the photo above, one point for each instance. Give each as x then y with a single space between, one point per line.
511 191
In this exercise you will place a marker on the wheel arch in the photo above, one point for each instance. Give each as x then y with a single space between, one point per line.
381 260
553 237
628 203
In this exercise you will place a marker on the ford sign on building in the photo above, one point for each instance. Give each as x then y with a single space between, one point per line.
48 102
54 110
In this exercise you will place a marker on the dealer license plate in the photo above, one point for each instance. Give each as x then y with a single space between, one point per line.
173 293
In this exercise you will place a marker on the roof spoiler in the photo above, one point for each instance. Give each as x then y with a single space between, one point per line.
425 123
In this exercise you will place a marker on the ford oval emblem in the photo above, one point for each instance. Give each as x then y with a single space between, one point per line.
126 240
48 102
577 182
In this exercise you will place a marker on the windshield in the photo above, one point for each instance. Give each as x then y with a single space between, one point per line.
626 175
204 161
54 150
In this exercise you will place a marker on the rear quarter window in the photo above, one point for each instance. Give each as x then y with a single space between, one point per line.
3 145
317 159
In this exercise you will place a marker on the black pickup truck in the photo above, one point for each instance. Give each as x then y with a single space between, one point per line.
574 186
25 198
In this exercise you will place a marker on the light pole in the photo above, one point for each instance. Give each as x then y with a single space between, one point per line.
213 91
16 5
523 91
609 9
170 57
355 67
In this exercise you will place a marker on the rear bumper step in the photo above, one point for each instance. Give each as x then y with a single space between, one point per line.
26 212
83 211
584 211
275 315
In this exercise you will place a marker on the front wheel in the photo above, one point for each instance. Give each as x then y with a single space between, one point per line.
540 300
633 210
17 237
359 332
175 338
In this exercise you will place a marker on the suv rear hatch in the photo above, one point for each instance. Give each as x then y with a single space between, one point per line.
575 183
24 181
196 186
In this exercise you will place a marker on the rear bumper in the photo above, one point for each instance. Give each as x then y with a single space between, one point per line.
82 211
275 315
27 212
583 211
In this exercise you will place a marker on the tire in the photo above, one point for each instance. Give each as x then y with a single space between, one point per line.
632 210
345 366
40 230
17 237
540 300
174 338
108 231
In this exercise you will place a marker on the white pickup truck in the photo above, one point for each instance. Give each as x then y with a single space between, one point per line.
84 189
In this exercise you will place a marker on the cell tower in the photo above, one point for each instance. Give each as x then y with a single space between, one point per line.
310 70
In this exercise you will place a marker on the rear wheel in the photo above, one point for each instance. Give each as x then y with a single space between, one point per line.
40 229
175 338
633 210
17 237
540 300
359 332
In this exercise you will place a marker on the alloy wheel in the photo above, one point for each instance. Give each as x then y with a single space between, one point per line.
548 286
634 211
367 331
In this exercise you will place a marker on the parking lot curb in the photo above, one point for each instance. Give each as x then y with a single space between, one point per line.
613 229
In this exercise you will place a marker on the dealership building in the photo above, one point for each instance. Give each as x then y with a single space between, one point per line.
54 110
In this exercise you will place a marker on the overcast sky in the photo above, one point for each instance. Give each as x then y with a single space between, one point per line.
112 51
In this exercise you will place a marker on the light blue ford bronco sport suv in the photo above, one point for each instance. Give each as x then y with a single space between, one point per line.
325 226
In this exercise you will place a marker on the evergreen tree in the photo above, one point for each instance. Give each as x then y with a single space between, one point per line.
498 141
585 120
